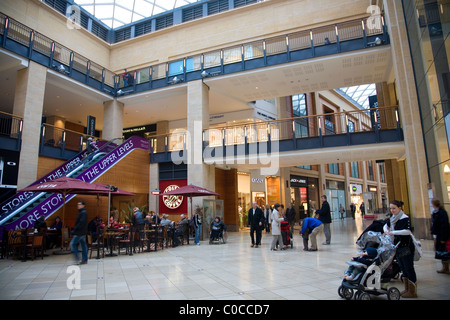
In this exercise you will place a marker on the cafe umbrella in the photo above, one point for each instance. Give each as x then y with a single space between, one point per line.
190 191
66 186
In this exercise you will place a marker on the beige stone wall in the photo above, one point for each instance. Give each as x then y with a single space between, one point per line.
45 20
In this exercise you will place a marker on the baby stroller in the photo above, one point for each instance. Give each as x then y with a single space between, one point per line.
286 234
218 236
375 278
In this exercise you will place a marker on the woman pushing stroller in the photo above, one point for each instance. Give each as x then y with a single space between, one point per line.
399 227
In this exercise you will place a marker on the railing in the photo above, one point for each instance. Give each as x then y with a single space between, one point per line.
56 56
336 34
10 125
60 138
347 122
295 46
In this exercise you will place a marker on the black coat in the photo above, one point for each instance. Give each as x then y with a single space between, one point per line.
254 220
290 214
324 212
81 224
440 226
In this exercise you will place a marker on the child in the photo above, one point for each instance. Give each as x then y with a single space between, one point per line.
367 257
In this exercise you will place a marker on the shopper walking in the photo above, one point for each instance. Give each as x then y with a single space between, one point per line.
325 216
79 232
276 228
341 211
290 216
267 215
256 222
440 229
399 227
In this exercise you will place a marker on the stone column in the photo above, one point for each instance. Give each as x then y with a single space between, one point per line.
29 103
153 184
199 173
112 120
416 166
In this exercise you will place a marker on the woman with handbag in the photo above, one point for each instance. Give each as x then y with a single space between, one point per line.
399 227
440 229
276 228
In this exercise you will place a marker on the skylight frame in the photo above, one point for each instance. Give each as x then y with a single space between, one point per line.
115 21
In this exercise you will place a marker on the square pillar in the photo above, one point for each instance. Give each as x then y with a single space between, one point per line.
29 103
199 173
416 166
112 120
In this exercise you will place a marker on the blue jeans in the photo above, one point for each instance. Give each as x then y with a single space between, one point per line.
74 246
198 230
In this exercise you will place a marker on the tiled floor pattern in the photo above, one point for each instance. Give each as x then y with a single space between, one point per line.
231 271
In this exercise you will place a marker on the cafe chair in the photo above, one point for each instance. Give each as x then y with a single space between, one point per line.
65 238
37 244
138 241
15 243
95 246
125 243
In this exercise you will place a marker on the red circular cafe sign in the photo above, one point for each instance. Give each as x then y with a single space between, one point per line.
172 202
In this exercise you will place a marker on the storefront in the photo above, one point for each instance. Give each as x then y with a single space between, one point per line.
356 194
304 195
336 197
371 199
258 188
244 198
273 190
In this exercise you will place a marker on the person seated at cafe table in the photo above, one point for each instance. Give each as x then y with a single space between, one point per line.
166 222
155 218
113 223
55 236
40 224
181 228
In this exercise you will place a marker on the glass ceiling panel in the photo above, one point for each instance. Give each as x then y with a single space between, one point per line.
116 13
360 94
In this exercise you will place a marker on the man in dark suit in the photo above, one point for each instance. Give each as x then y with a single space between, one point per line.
256 222
325 216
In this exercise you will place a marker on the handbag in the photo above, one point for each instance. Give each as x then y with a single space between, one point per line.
418 247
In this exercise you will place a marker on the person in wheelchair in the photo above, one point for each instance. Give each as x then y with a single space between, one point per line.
217 228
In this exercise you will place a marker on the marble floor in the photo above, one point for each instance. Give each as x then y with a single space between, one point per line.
231 271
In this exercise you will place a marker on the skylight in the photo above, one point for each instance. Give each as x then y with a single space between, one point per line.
360 94
116 13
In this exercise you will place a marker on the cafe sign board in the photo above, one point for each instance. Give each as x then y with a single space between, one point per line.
174 201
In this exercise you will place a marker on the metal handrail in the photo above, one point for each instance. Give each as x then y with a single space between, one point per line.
344 122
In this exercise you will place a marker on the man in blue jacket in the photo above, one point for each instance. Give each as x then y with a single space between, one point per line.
310 227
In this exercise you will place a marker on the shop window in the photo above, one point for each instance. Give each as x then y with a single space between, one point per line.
382 173
299 109
370 170
355 170
333 168
351 126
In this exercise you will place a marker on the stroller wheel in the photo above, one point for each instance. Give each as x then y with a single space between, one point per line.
364 296
340 293
393 293
346 293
